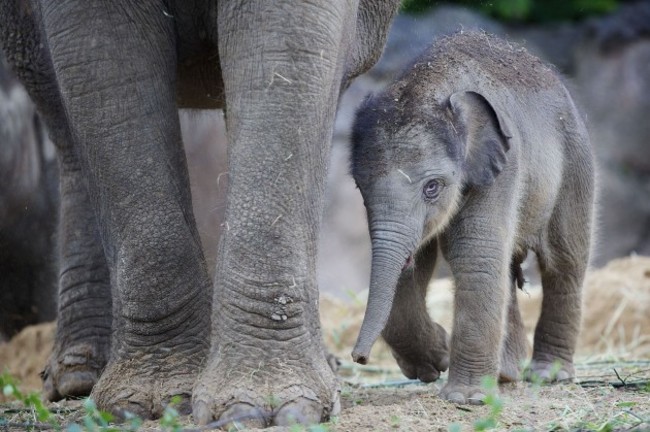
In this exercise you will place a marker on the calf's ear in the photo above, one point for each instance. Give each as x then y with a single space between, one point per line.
483 135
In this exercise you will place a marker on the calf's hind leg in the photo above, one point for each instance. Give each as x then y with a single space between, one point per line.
513 350
563 261
419 345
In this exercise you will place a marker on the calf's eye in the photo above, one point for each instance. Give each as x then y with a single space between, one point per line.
432 189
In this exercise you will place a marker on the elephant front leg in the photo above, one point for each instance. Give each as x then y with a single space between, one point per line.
115 71
420 345
282 72
82 342
482 278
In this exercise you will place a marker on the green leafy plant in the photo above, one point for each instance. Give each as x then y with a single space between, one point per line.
523 10
493 401
170 420
31 400
309 428
94 419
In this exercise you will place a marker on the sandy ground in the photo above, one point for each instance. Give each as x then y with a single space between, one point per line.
614 349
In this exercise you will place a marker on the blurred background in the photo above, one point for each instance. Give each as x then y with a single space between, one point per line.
601 47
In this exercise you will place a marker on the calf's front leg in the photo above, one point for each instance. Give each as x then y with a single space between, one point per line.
420 345
477 253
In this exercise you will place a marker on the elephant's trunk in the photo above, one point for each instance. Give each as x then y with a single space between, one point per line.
390 251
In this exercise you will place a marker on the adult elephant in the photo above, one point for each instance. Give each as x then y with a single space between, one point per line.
134 292
28 201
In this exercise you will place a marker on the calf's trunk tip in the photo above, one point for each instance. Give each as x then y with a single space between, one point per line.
384 276
374 321
361 351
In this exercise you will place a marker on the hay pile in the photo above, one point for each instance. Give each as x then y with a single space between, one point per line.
25 355
617 310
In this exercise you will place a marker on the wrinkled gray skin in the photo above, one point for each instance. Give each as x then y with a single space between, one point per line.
477 147
134 291
28 204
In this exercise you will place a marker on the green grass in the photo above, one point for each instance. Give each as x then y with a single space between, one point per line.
93 420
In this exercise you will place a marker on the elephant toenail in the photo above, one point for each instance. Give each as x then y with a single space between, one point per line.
302 411
243 415
456 397
563 376
201 413
131 410
476 399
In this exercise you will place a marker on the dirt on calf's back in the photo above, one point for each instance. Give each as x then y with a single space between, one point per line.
480 55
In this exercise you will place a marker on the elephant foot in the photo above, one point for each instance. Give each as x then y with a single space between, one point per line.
423 357
462 394
266 392
144 387
72 372
549 370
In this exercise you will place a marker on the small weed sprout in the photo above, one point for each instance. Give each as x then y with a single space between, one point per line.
555 369
170 420
31 400
395 421
273 401
96 420
493 401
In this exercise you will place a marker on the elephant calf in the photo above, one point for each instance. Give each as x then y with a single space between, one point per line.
479 147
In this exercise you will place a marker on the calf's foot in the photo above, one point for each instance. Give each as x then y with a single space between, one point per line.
548 369
423 356
463 394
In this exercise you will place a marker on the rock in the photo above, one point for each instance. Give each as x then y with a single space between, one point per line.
612 77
